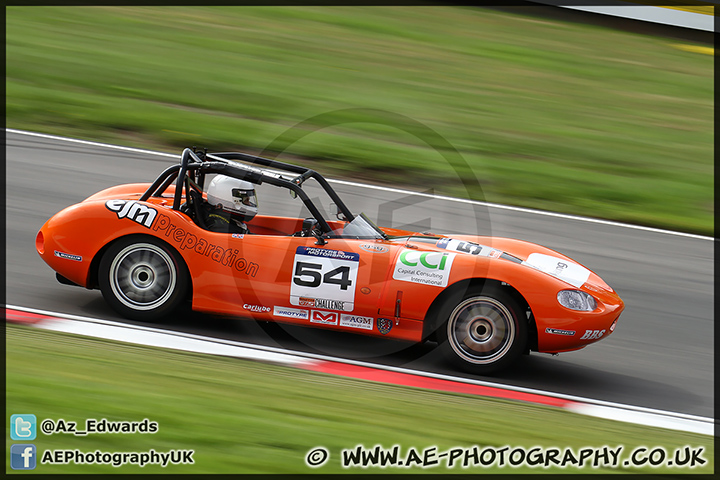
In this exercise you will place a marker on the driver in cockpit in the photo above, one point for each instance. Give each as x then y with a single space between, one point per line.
230 203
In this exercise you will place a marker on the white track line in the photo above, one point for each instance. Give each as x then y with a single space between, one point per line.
93 144
108 329
397 190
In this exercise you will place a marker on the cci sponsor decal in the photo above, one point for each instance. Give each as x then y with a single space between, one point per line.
384 325
427 268
328 318
556 331
355 321
369 247
68 256
290 312
256 308
592 334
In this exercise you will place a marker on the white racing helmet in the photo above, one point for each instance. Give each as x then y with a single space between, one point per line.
233 195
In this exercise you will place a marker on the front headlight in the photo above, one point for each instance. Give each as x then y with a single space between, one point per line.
576 300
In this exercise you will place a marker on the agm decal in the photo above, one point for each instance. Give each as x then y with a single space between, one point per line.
356 321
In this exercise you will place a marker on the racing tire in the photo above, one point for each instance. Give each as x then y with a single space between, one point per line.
142 278
483 332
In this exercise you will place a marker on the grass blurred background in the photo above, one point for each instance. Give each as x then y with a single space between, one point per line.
547 114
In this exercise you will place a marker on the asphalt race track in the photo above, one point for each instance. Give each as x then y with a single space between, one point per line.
660 355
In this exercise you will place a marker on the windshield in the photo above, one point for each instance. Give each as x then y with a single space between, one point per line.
360 227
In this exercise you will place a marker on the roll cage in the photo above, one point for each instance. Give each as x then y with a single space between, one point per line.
195 165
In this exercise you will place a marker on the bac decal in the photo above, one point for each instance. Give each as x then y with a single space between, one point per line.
324 278
427 268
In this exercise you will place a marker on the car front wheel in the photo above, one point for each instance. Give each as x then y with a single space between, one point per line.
484 331
142 279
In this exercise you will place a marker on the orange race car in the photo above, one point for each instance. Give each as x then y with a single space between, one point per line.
194 234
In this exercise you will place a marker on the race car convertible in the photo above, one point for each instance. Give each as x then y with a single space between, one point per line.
485 300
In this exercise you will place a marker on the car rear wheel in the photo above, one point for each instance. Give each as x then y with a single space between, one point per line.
484 331
142 278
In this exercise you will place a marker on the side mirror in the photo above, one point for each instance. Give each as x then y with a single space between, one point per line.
308 229
309 225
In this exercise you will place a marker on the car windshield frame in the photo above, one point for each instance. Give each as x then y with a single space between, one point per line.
360 228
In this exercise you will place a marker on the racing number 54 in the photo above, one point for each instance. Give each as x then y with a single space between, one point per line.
337 276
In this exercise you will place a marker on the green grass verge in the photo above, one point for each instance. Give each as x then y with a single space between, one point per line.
247 417
547 114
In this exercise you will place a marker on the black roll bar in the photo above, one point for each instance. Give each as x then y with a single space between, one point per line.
155 189
259 178
187 155
305 173
203 164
